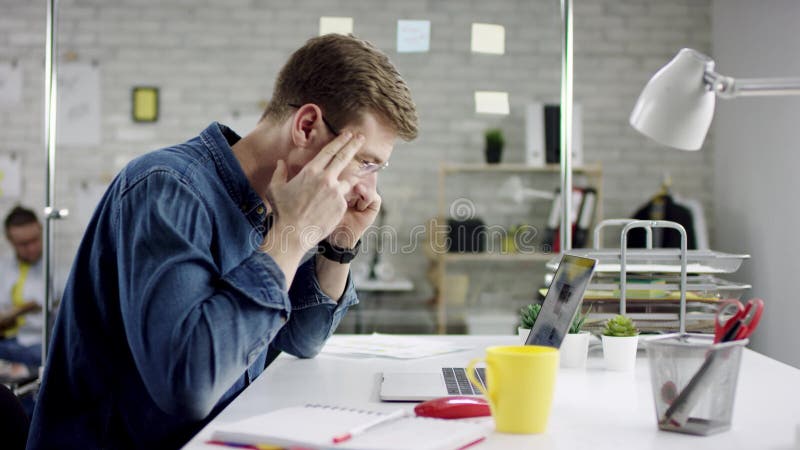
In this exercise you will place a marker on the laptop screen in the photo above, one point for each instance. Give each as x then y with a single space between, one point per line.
562 301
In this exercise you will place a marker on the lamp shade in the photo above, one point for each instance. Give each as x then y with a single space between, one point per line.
675 108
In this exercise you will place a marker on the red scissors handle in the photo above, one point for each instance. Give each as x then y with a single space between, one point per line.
729 315
750 318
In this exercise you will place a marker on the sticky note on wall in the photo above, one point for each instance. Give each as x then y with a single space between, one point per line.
339 25
10 177
491 102
145 104
488 38
413 36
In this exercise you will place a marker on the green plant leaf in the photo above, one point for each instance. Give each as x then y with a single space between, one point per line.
620 326
577 323
528 315
494 136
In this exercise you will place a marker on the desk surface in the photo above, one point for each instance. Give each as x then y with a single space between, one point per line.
396 285
593 408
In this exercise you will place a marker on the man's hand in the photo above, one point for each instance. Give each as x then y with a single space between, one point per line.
358 217
8 319
7 322
310 205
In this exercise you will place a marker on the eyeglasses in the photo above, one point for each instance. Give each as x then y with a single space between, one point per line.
364 167
367 168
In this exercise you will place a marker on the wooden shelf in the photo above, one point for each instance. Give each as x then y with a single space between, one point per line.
520 168
495 257
437 253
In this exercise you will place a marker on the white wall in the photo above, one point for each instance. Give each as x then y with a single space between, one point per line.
213 57
756 177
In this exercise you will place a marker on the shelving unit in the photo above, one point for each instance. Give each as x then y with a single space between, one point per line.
494 257
593 172
436 248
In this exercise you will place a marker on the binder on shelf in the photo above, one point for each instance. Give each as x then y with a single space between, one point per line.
543 134
534 135
552 134
584 202
584 221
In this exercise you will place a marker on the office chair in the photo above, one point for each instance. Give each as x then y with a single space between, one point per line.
14 422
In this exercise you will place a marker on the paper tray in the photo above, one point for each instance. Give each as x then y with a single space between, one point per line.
698 288
657 260
660 321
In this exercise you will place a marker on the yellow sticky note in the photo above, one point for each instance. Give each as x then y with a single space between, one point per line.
491 102
488 38
339 25
145 104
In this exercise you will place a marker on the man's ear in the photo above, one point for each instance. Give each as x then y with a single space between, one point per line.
305 125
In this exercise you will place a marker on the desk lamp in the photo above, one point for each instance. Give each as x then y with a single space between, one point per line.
676 106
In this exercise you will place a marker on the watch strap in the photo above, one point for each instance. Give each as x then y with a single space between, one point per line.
338 254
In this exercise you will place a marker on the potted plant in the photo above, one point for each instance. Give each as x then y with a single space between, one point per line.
575 347
620 338
527 316
494 145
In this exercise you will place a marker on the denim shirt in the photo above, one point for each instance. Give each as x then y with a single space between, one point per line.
170 310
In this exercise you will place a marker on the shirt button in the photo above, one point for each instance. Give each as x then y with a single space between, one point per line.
260 210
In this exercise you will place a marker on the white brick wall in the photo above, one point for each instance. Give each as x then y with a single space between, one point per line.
213 57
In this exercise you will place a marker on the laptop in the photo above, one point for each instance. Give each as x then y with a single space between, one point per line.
558 309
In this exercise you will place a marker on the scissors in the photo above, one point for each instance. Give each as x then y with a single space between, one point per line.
736 321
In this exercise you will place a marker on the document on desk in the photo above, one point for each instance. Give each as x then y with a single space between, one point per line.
319 427
389 346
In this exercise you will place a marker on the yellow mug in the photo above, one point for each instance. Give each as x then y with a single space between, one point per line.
520 380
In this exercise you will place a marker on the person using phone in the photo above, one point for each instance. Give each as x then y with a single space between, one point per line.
22 290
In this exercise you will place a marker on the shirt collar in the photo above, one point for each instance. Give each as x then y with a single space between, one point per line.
219 140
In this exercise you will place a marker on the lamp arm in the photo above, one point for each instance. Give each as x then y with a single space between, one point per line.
728 87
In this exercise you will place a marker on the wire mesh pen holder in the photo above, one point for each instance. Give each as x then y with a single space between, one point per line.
694 382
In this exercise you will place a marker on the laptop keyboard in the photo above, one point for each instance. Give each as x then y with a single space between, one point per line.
457 383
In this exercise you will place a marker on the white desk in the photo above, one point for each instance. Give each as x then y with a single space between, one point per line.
592 409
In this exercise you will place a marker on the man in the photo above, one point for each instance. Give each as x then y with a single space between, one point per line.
22 290
190 277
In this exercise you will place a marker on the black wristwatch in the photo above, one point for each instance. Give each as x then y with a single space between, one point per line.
338 254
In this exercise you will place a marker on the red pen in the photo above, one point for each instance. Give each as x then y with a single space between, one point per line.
362 428
253 446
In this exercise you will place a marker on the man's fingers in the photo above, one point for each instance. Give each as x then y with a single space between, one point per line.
364 204
343 187
345 155
376 203
324 157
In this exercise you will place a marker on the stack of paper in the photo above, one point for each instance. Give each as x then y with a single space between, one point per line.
389 346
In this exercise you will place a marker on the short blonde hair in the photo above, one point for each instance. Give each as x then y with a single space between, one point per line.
345 76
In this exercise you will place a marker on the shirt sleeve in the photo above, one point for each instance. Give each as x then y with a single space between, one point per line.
8 276
315 315
192 330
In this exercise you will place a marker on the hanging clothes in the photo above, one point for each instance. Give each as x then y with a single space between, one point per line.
698 218
663 207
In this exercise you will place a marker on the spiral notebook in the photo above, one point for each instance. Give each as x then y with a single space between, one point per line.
315 426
